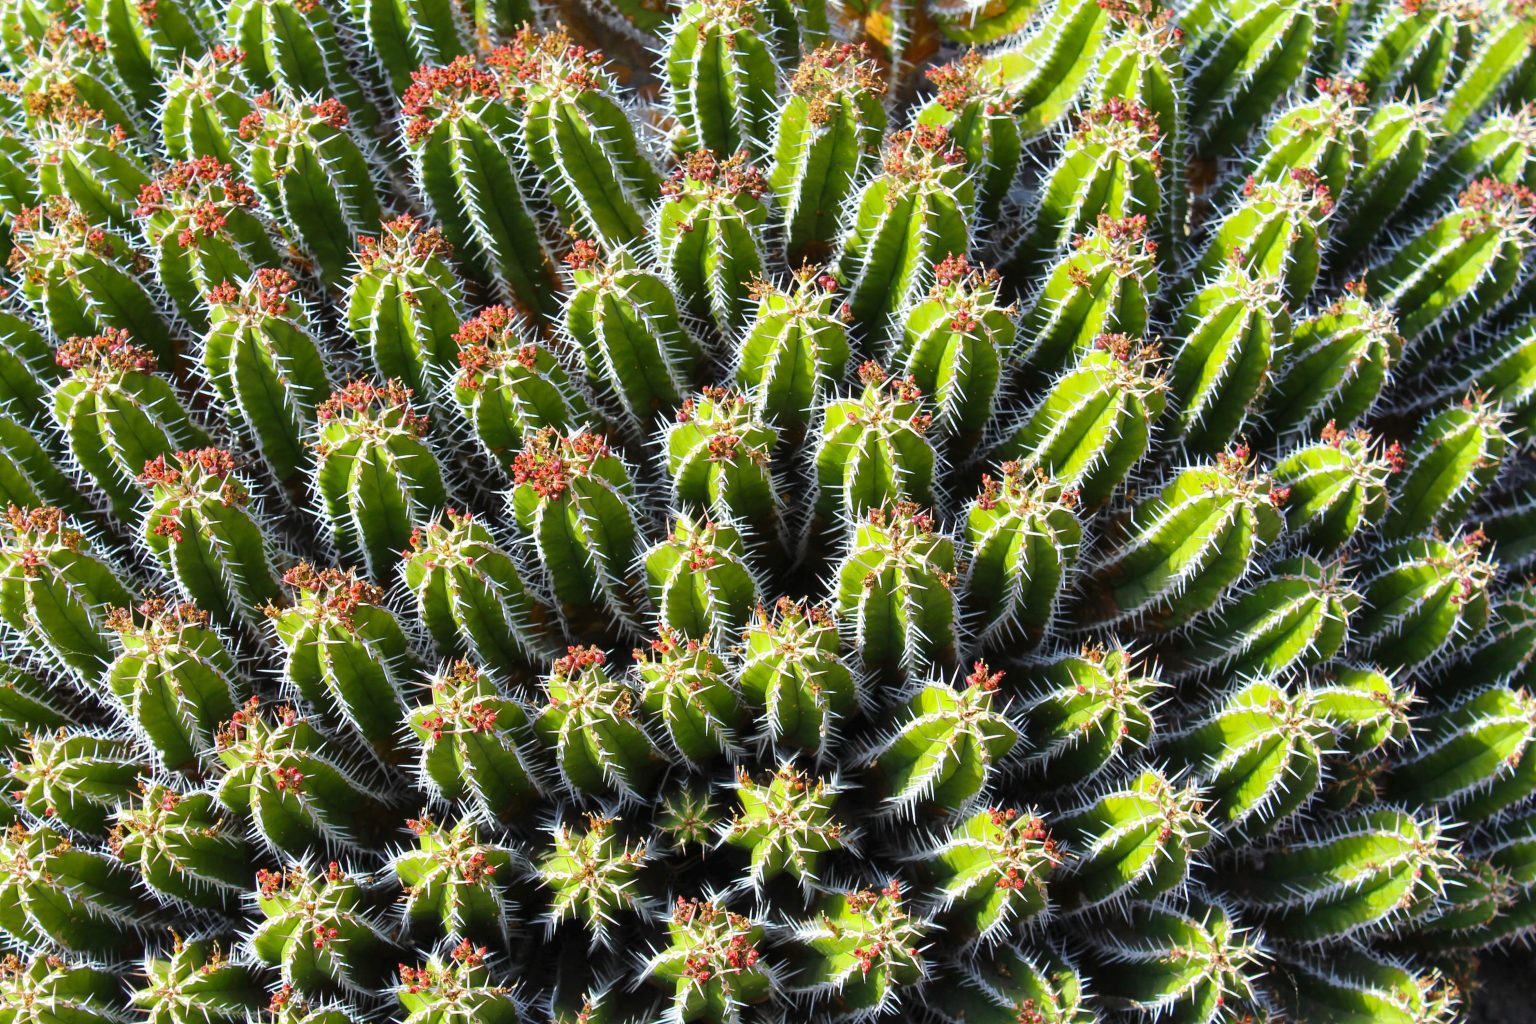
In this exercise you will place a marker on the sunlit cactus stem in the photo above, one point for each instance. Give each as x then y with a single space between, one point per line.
1248 59
572 497
827 136
1398 142
865 948
204 101
509 387
145 41
699 581
471 596
721 77
206 535
719 458
787 825
117 413
916 211
1336 365
794 349
197 979
476 745
48 565
404 304
1112 165
685 688
1185 546
1453 458
591 725
175 680
375 472
265 364
626 323
977 108
1421 596
713 963
74 779
1337 487
432 34
581 137
874 448
990 873
791 670
459 884
59 896
1105 284
895 590
201 224
313 925
313 174
462 140
184 846
297 46
1023 536
83 279
709 232
954 343
344 653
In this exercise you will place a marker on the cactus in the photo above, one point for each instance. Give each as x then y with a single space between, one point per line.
274 769
470 595
685 688
183 846
200 223
375 472
954 343
708 229
403 305
204 102
924 193
175 680
874 448
1185 547
501 530
73 778
1457 268
59 896
1195 961
1110 166
719 458
315 929
721 77
299 47
712 963
1422 594
594 873
56 592
948 739
591 724
197 981
895 590
78 276
206 536
461 140
793 350
1450 461
625 321
1093 426
310 169
1104 286
457 884
117 415
1336 365
580 138
344 653
827 135
264 362
1023 535
571 497
1354 878
787 826
792 674
509 387
1138 842
698 579
990 872
864 949
1231 330
475 743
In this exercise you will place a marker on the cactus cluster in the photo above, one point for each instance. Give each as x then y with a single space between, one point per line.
765 511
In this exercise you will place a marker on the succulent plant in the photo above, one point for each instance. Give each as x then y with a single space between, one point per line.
749 511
